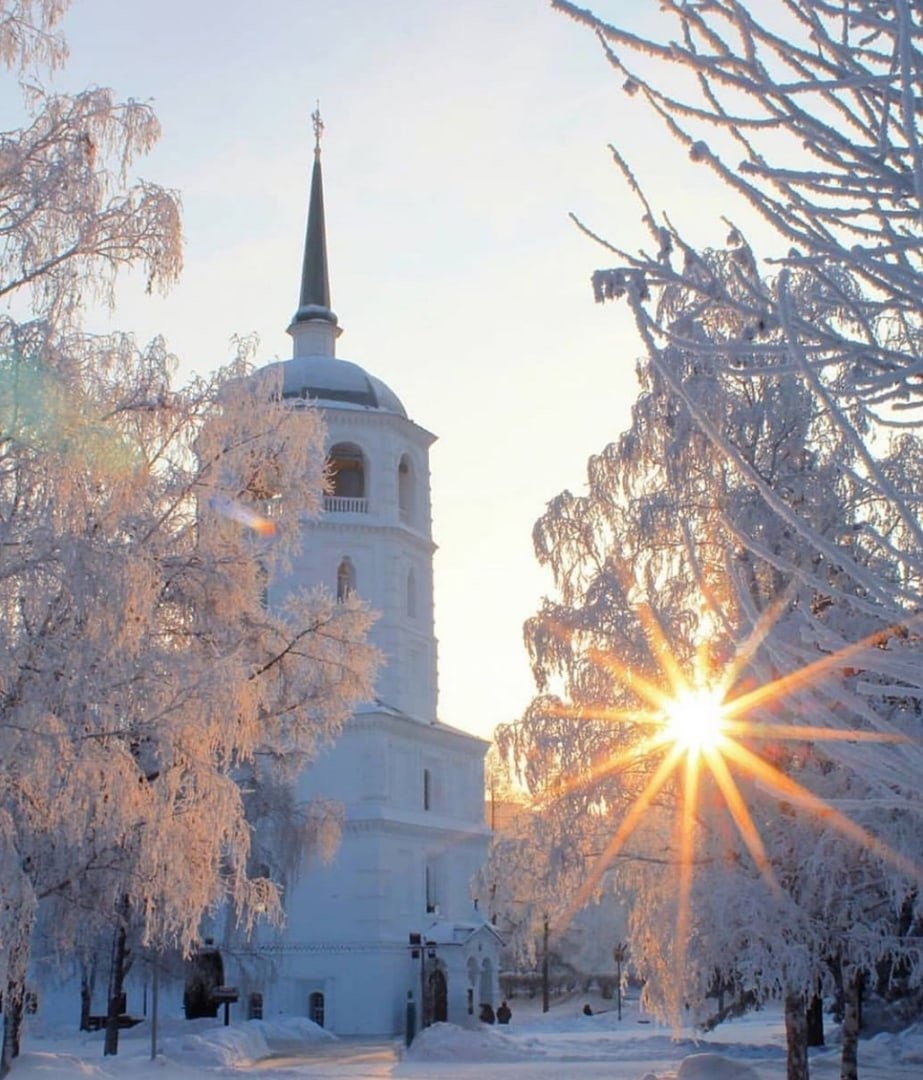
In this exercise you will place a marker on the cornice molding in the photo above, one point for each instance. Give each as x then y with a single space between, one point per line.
279 948
357 417
415 729
441 827
330 521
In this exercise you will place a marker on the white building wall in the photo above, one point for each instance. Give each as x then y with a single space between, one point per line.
383 548
349 922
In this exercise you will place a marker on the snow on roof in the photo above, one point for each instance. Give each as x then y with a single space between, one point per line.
336 382
445 932
382 708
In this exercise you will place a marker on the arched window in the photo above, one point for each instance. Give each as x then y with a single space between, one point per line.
432 898
347 479
316 1008
405 490
411 595
346 578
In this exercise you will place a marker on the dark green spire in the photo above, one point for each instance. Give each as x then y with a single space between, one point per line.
314 302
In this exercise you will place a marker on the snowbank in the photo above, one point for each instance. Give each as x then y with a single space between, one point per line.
242 1043
714 1067
449 1042
185 1049
902 1047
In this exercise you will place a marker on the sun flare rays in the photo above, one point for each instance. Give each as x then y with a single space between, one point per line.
695 736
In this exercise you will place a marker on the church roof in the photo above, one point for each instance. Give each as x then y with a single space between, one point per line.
334 382
443 932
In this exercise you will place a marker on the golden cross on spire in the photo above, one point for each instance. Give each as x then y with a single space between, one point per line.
318 129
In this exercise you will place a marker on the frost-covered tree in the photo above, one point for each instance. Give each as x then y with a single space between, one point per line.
672 563
764 504
143 680
809 111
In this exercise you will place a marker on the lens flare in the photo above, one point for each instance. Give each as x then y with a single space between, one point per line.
695 724
695 719
244 515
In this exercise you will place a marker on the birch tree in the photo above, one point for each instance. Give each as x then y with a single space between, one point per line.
807 110
671 568
142 676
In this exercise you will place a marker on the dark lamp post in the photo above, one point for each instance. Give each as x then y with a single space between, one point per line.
619 955
545 987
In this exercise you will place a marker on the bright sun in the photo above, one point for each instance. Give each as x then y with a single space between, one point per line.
703 722
695 719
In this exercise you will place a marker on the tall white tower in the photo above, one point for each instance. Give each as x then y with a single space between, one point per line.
411 788
375 536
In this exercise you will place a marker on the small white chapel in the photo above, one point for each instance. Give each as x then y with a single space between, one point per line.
389 926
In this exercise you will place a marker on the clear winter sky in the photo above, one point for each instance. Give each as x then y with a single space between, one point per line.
459 134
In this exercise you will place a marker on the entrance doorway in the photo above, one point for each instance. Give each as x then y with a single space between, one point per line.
438 993
316 1008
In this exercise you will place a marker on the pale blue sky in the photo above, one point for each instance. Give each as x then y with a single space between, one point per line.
459 133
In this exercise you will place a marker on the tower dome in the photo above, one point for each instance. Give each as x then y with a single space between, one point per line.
336 383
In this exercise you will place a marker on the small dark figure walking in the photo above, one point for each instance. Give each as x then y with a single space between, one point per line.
504 1013
487 1013
587 1011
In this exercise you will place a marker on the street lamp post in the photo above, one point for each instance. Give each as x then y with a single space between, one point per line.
423 949
545 989
619 955
416 949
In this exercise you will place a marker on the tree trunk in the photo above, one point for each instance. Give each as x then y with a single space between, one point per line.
12 1023
14 995
852 1019
815 1021
116 982
796 1037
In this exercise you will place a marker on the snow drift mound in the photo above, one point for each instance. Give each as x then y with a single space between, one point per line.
243 1043
290 1033
714 1067
449 1042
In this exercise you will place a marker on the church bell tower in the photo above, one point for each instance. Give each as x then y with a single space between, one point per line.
375 535
411 788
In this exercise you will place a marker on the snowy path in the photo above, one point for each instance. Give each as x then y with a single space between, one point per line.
343 1058
381 1061
556 1046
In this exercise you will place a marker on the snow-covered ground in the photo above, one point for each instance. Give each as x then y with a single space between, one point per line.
561 1044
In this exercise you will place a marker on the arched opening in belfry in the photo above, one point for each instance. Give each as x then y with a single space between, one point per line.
347 471
405 490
